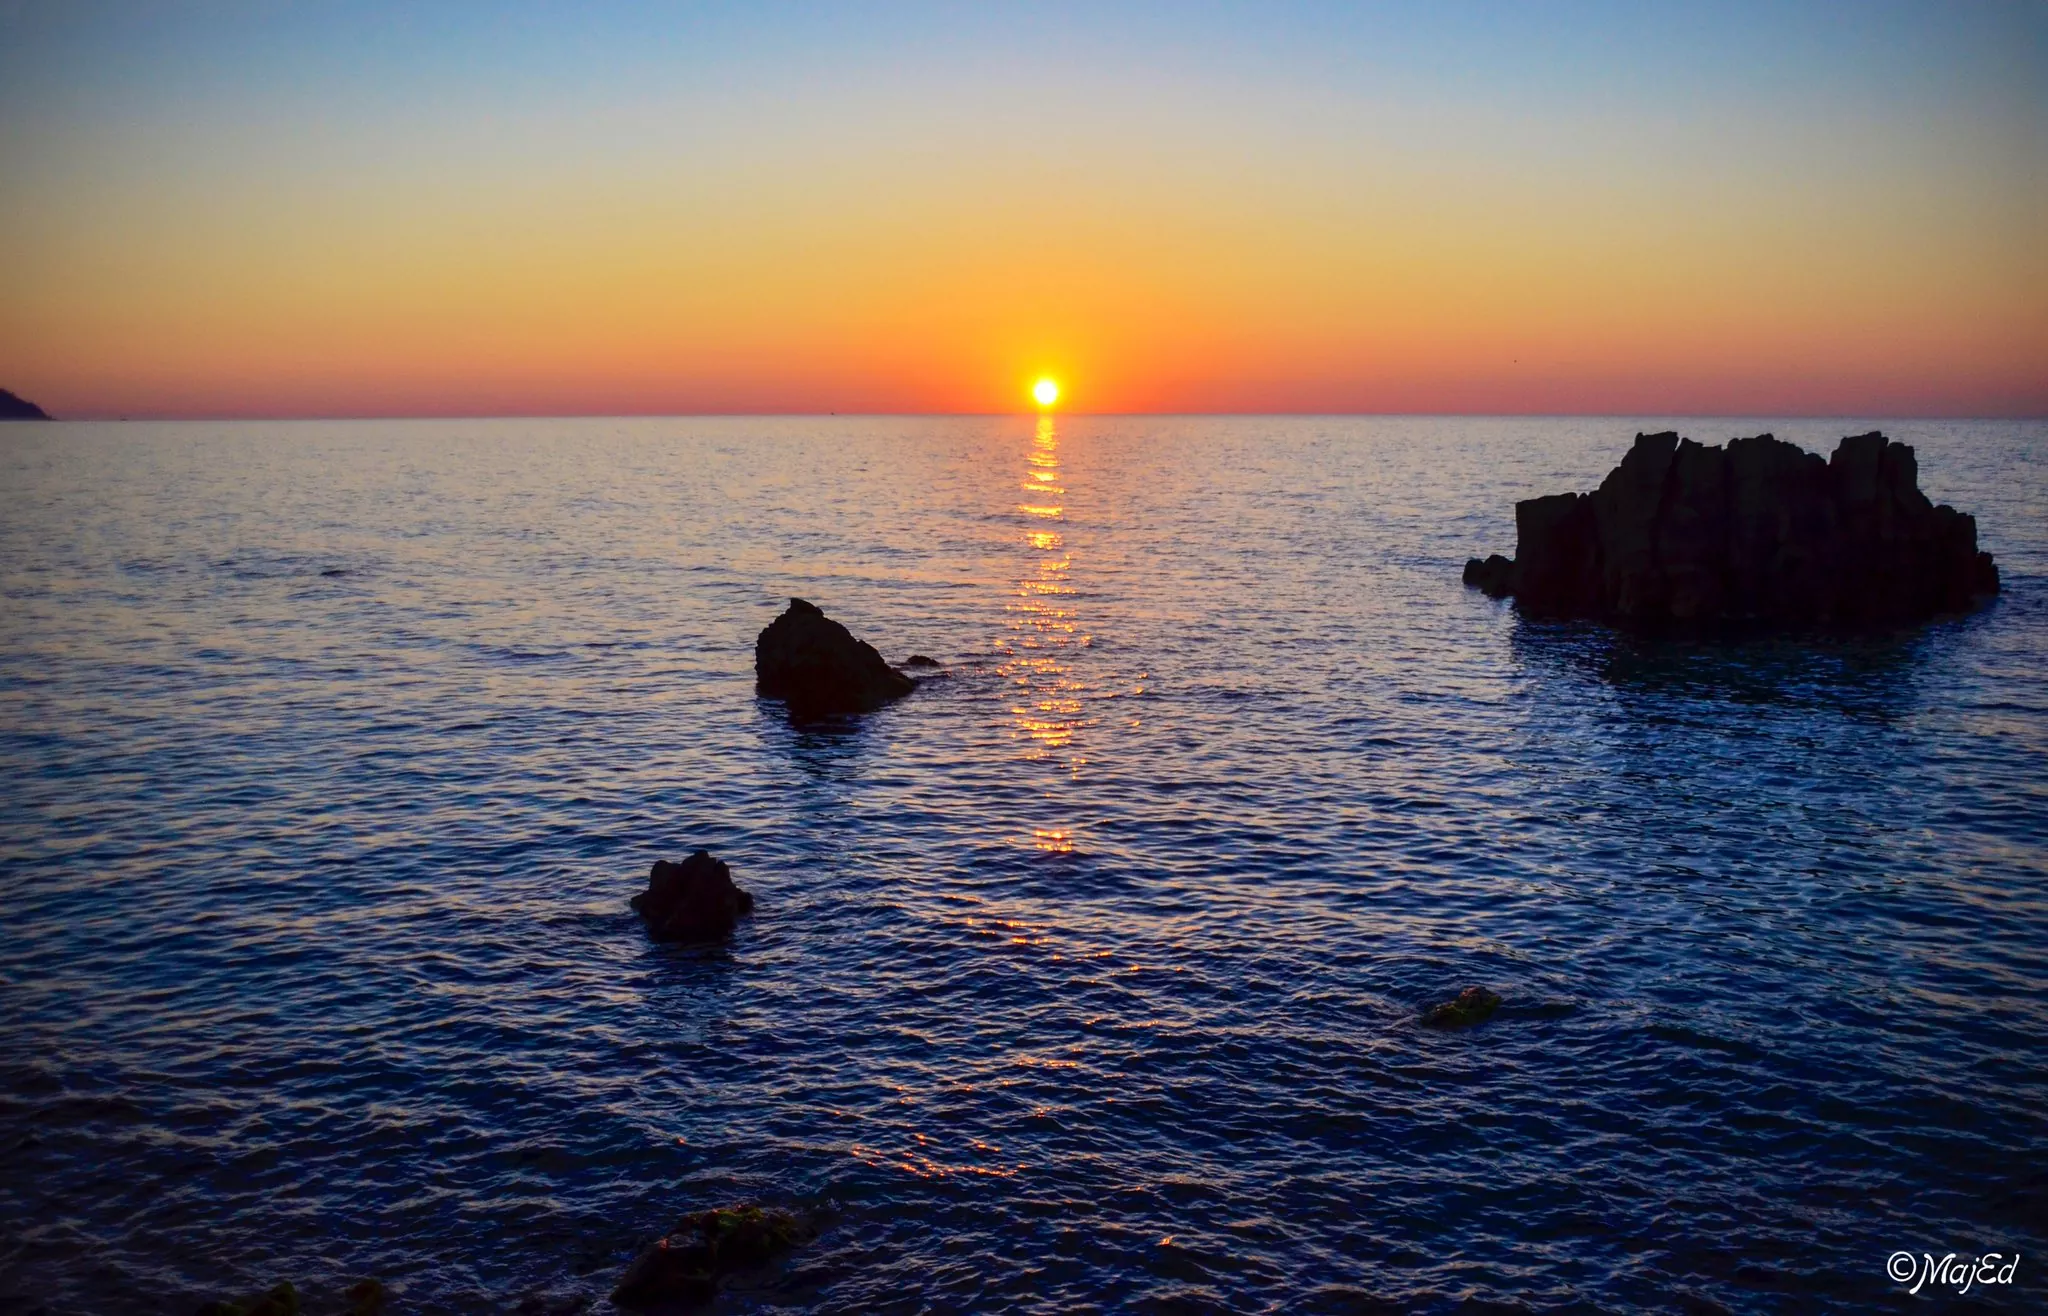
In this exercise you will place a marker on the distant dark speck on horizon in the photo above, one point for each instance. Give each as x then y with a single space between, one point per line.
19 408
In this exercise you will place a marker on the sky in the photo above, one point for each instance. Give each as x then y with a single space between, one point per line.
372 209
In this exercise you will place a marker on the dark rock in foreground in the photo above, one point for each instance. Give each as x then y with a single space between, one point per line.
283 1300
1474 1005
684 1268
19 408
694 900
816 666
367 1298
1757 531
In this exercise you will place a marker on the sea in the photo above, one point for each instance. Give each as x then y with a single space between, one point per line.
1088 977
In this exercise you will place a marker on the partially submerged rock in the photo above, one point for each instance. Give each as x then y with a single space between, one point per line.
1757 531
922 660
544 1304
1495 576
816 666
1474 1005
694 900
684 1267
280 1300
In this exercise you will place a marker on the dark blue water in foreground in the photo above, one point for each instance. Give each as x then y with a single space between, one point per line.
1084 978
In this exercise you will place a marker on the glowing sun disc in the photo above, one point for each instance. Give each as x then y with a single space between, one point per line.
1047 391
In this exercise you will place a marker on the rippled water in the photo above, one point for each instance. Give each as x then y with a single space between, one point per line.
1087 976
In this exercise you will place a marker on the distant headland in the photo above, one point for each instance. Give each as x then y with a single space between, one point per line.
19 408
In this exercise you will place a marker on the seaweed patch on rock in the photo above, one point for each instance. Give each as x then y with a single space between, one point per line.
279 1300
364 1298
1473 1005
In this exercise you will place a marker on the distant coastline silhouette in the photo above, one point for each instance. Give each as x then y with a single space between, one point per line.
15 407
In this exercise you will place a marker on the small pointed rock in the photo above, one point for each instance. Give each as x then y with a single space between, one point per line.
816 666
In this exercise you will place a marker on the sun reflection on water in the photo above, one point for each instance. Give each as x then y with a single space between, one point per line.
1048 695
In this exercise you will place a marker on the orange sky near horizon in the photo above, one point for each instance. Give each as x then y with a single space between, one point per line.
1204 242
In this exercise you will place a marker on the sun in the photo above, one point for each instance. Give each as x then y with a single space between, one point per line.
1047 391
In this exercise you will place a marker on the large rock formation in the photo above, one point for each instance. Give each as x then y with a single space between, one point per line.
694 900
19 408
1758 531
816 666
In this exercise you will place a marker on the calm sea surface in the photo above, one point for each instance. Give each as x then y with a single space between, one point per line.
1084 978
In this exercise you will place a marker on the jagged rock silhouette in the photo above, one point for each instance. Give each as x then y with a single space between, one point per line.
1760 530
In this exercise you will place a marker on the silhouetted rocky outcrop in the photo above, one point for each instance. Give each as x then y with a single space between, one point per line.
694 900
684 1267
1757 531
816 666
19 408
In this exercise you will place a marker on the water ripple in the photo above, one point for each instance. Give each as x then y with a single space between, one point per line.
1087 977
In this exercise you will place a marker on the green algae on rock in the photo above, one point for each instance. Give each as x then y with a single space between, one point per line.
685 1266
364 1298
1474 1005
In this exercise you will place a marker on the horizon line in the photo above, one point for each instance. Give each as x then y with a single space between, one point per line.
213 418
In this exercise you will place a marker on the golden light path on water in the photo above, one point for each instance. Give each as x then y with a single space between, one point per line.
1044 628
